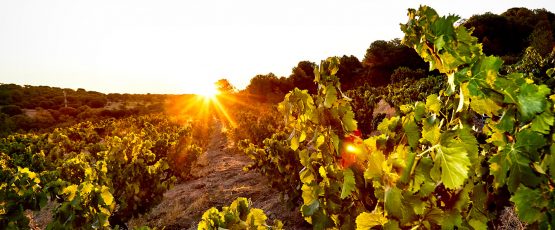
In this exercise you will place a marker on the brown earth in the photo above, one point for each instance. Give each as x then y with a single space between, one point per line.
219 179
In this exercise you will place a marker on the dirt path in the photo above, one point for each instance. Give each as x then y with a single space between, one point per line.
219 180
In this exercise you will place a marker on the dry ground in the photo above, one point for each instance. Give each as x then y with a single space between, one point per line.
219 179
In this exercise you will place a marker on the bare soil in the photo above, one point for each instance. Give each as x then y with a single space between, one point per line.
218 180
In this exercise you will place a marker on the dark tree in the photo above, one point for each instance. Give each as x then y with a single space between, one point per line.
11 110
268 88
383 57
303 76
224 86
350 69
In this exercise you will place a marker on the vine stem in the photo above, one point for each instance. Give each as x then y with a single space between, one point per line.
428 150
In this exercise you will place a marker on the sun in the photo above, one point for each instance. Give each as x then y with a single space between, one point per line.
208 92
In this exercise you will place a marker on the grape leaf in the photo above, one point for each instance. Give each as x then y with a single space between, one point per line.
454 163
530 141
531 100
348 183
107 196
294 142
507 121
419 111
470 144
543 122
451 219
393 205
484 106
70 191
331 96
349 122
413 134
433 104
430 132
256 217
528 203
367 220
310 209
374 167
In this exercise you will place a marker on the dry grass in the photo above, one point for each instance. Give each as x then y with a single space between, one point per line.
509 220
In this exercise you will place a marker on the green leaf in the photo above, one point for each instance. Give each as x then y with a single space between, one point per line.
454 163
309 210
433 104
349 122
531 100
335 142
528 204
367 220
451 219
530 142
393 204
548 163
419 111
470 144
507 121
423 182
409 160
331 96
348 183
478 224
543 122
413 134
392 224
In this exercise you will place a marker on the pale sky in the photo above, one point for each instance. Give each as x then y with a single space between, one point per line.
137 46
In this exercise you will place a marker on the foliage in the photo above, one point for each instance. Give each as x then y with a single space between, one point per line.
433 165
407 91
99 174
11 110
510 33
254 123
268 88
224 86
279 163
239 215
318 127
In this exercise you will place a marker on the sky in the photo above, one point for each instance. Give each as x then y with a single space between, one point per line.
176 47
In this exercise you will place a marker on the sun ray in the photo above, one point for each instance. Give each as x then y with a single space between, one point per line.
221 109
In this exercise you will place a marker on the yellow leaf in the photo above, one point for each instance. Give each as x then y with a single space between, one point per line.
31 175
70 191
302 137
87 188
368 220
107 196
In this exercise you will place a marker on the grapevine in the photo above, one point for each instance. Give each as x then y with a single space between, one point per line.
432 165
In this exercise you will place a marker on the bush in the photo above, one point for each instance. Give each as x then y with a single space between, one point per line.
70 111
11 110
